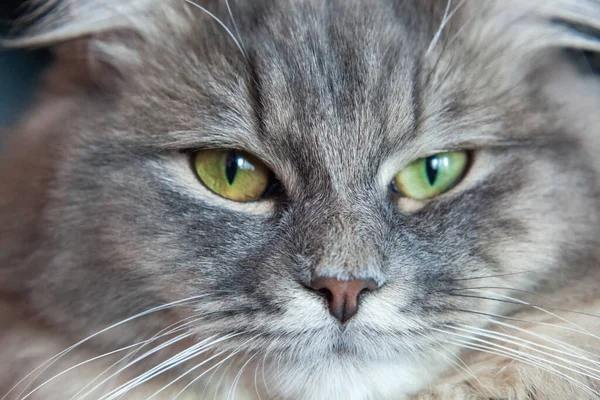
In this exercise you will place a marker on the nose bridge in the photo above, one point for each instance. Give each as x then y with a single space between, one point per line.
348 244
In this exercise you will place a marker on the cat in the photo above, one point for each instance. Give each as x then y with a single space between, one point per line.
304 199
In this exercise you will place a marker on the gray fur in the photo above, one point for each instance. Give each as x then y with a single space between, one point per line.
102 217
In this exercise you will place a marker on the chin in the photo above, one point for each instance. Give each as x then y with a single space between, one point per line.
349 379
349 365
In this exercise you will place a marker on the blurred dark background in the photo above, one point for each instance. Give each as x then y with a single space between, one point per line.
19 70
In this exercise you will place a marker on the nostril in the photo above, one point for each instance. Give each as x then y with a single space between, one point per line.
326 293
342 295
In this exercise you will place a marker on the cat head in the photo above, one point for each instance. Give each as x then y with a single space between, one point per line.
337 262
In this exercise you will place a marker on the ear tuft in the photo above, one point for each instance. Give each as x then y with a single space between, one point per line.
577 23
523 29
48 22
94 39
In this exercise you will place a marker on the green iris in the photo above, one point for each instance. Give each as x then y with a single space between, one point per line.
232 174
431 176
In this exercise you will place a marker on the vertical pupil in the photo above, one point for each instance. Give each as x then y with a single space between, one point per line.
231 166
432 165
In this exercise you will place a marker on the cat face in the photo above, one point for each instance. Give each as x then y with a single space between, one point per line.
335 98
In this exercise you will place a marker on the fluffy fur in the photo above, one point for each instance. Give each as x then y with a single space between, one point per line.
109 243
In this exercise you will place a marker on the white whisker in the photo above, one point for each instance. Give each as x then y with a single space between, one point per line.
545 311
174 361
565 346
237 31
170 330
256 378
210 379
234 384
218 385
463 367
191 369
520 342
264 360
214 17
46 382
48 363
185 374
128 365
448 15
238 349
512 356
540 361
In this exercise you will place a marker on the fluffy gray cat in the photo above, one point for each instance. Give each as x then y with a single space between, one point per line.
305 199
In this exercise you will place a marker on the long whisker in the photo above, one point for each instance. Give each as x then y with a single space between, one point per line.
508 318
538 295
489 317
172 362
48 363
237 378
494 276
470 296
189 371
577 329
237 31
264 361
223 374
571 350
547 312
524 360
463 367
239 348
185 374
448 15
206 385
550 340
138 344
537 307
497 349
216 19
539 360
438 32
170 342
256 378
170 330
528 345
521 302
48 381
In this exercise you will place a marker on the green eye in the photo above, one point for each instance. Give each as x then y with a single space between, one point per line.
232 174
431 176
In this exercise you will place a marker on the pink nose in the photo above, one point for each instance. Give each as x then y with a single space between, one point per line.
342 295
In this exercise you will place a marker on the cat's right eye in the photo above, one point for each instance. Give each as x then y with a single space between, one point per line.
232 174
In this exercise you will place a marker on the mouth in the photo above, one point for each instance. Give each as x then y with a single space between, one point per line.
340 344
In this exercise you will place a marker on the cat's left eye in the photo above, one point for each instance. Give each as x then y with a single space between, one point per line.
429 177
232 174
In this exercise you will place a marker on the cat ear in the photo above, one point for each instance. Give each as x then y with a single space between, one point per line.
523 29
47 22
577 29
570 24
565 44
93 38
